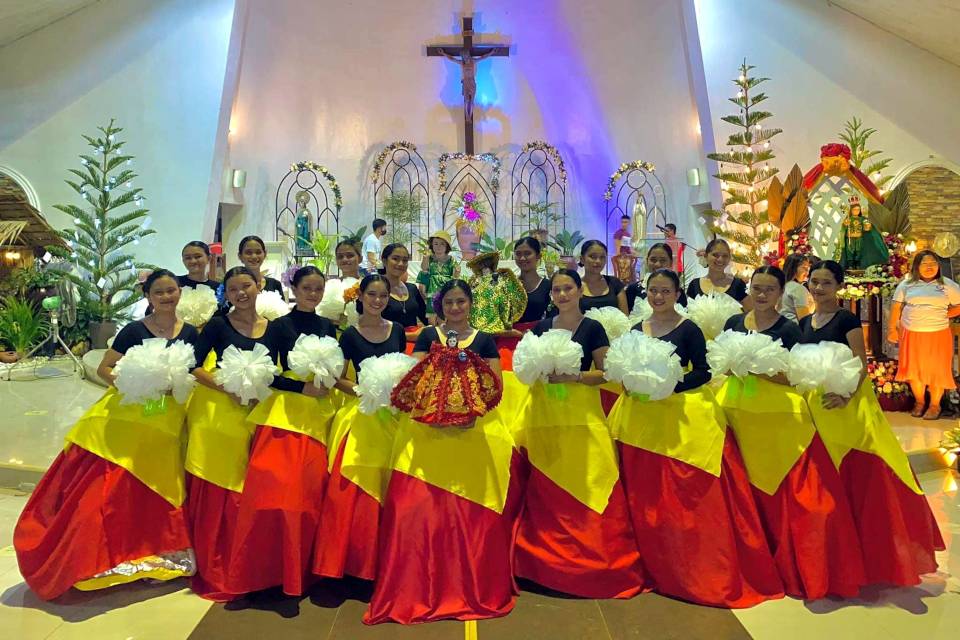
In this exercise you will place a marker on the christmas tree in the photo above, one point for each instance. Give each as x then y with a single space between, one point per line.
743 173
105 275
856 136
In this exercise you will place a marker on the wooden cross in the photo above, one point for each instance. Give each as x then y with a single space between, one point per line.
467 55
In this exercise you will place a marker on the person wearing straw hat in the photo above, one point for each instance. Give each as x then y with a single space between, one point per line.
437 268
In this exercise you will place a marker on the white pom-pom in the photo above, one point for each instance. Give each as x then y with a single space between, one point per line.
152 369
614 322
643 365
642 310
271 305
537 357
331 306
828 365
711 311
246 374
316 356
378 376
742 354
197 305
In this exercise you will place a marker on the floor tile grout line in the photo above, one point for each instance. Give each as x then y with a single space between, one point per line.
57 628
333 623
603 619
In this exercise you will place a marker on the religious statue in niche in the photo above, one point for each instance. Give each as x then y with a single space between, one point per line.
861 245
304 246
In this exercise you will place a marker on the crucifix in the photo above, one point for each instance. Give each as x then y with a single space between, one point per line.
467 55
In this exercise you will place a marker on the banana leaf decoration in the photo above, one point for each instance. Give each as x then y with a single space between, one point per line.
893 216
787 202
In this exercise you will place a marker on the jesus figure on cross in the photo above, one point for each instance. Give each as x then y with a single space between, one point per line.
468 62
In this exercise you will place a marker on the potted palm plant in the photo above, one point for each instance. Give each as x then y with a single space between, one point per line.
539 216
566 243
22 327
401 210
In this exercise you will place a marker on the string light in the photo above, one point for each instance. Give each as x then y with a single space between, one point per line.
758 127
766 145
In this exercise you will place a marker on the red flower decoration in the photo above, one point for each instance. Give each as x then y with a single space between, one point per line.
835 149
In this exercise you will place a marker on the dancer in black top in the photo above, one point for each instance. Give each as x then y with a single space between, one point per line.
566 292
453 309
663 291
599 290
766 290
374 335
252 253
717 279
196 258
526 255
405 305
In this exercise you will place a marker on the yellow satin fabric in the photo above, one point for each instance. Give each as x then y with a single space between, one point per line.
515 396
568 441
210 362
218 446
149 447
471 463
115 579
773 429
296 412
689 427
367 450
861 425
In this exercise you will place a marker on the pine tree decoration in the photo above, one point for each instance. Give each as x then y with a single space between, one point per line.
744 171
856 136
105 275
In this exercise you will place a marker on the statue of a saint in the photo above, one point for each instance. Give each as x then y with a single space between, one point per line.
861 245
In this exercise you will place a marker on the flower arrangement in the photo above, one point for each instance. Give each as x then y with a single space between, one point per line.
626 166
799 242
899 265
470 212
550 150
875 281
482 157
892 395
390 148
306 165
352 293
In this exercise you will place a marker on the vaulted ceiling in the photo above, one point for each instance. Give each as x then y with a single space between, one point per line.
929 24
22 17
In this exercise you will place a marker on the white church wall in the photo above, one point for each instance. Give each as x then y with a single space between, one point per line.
335 82
826 65
157 66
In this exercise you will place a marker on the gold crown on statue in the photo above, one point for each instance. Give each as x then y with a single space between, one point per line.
854 201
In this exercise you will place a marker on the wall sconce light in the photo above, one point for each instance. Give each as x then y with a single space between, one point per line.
911 246
693 177
239 178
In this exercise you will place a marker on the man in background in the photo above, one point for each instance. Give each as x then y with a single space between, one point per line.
373 247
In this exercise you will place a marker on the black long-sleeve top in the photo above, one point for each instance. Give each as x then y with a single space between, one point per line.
836 330
284 331
219 333
356 348
134 333
407 311
737 289
590 335
692 349
637 290
783 329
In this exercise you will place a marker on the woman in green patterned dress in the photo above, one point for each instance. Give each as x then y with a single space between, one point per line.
437 268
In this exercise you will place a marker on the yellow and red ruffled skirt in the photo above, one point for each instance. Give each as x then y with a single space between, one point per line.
108 511
690 502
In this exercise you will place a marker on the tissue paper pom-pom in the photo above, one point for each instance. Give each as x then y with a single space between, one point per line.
197 305
378 376
742 354
331 306
614 322
353 316
711 311
828 365
151 369
319 357
643 365
246 374
642 310
555 352
271 305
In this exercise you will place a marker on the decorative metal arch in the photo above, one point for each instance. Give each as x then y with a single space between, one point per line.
325 203
538 176
639 190
469 177
399 168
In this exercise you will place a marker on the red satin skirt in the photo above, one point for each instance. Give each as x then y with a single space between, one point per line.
701 536
346 542
811 530
442 556
607 400
212 512
279 512
564 545
86 516
898 533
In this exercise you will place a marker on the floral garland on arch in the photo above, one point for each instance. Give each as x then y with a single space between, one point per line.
319 168
482 157
393 146
626 166
550 150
